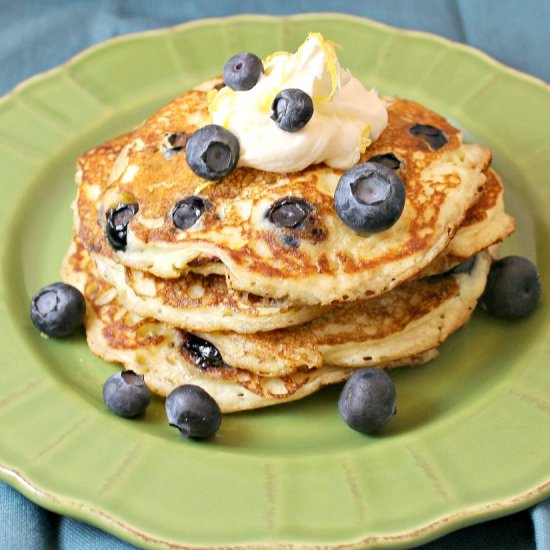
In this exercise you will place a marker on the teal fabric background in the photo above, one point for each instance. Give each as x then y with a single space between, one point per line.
39 34
36 35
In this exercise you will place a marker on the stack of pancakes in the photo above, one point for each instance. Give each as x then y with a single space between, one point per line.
262 301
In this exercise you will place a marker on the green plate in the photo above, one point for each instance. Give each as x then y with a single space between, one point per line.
470 441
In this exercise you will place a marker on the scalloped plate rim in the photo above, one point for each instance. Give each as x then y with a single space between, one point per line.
437 527
251 16
424 533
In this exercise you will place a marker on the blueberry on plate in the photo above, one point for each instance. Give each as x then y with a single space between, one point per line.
116 227
242 71
292 109
368 400
513 288
58 309
212 152
369 197
126 394
193 411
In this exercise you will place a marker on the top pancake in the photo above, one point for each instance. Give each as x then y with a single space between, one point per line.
317 264
205 303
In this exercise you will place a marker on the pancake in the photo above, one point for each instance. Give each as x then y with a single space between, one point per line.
206 304
409 320
203 303
323 261
197 302
155 350
486 223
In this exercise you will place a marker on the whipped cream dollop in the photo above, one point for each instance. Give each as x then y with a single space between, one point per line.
346 116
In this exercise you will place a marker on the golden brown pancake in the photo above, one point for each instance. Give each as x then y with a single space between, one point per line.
486 223
409 320
203 303
405 322
317 264
206 304
156 350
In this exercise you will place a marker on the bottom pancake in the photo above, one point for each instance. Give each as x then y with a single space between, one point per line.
154 349
162 353
410 319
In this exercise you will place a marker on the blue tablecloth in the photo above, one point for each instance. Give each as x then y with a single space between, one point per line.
38 34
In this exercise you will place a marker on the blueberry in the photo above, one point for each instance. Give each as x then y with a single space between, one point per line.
369 197
292 109
174 144
202 352
387 159
368 400
513 288
290 241
434 136
193 411
58 309
116 227
177 140
467 266
242 71
126 394
187 211
289 212
212 152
